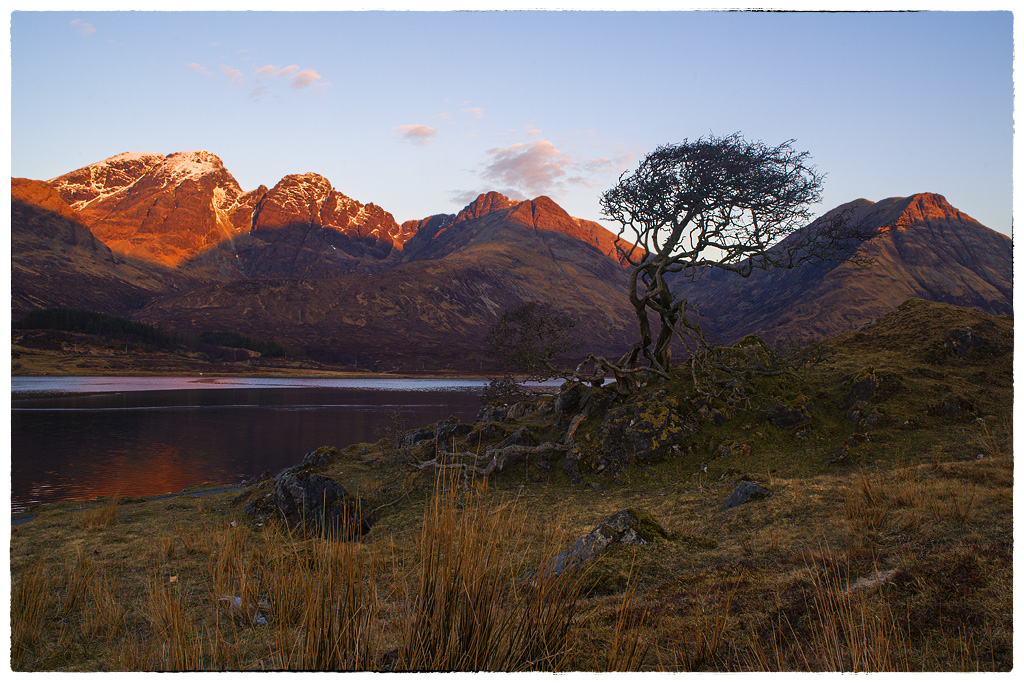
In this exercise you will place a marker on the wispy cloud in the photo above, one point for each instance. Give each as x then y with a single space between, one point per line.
259 92
84 27
298 78
475 112
418 133
271 71
233 75
305 78
538 167
535 167
199 69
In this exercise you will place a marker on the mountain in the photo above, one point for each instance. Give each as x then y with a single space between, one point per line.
57 261
443 234
159 209
921 247
174 240
187 211
432 310
305 265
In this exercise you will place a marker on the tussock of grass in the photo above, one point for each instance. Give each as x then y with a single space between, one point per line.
475 604
100 517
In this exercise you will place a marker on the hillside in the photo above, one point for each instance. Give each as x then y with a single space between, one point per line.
304 264
433 310
922 247
56 260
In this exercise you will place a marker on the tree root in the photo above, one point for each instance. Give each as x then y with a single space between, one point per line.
496 459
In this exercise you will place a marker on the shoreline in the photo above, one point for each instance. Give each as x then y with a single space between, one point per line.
30 513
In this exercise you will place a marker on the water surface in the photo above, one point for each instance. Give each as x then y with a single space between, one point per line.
77 438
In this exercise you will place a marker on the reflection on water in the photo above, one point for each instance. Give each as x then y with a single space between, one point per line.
79 438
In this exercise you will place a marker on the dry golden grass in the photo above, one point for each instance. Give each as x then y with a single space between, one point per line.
459 592
99 517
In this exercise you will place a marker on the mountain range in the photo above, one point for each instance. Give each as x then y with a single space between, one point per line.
174 240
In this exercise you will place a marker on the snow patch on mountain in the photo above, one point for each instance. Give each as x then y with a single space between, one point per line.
181 165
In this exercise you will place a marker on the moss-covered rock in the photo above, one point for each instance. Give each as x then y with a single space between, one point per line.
644 429
863 387
796 413
626 527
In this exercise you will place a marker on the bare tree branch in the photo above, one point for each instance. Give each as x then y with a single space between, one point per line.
713 203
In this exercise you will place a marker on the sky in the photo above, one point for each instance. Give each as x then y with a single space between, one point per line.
421 112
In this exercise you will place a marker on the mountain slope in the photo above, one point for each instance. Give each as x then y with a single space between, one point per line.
922 247
57 261
159 209
426 313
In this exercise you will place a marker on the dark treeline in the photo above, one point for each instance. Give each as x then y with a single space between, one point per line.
269 349
109 326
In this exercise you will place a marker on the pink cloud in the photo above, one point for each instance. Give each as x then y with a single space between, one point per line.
475 112
539 168
199 69
305 78
272 71
84 28
233 75
535 168
418 134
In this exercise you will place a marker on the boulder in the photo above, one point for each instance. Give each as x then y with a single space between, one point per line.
744 493
863 388
317 504
570 398
492 412
310 503
488 432
520 410
954 406
520 437
418 436
644 429
626 527
796 414
450 428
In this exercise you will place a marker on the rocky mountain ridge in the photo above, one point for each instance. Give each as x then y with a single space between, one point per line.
174 240
187 210
922 247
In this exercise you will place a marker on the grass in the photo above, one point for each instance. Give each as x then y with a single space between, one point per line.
463 594
906 568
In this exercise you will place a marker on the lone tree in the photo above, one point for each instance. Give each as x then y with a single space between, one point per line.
713 203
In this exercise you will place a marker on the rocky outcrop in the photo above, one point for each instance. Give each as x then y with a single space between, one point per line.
317 504
483 205
643 429
626 527
304 228
310 502
745 492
